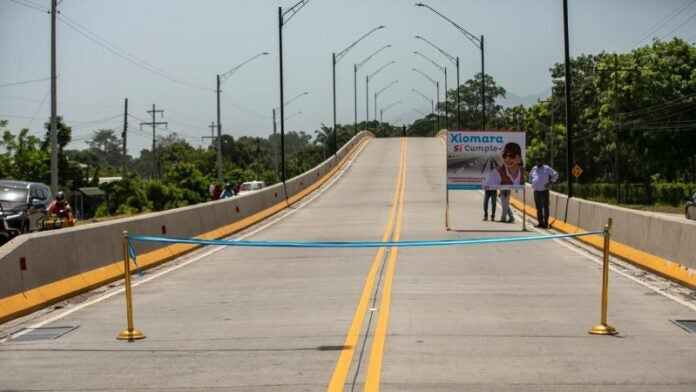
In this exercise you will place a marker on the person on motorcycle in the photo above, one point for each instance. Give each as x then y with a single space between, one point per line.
61 207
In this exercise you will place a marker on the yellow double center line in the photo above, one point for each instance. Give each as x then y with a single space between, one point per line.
374 367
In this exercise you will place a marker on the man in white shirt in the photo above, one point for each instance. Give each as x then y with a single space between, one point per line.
542 177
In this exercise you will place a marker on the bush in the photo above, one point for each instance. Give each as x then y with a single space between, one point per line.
636 193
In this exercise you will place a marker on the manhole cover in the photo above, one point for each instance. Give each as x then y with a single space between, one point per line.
48 333
687 325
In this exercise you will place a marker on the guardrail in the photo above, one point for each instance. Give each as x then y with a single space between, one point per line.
653 242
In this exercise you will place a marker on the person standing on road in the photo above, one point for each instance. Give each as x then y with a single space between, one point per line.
506 216
542 177
511 172
489 194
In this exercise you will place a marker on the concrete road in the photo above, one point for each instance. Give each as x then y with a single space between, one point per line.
494 317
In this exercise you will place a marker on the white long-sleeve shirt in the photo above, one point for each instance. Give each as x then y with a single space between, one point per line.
542 176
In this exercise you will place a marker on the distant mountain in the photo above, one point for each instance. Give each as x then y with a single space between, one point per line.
513 99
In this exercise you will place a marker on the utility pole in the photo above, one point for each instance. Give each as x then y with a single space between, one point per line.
124 135
212 132
154 124
54 104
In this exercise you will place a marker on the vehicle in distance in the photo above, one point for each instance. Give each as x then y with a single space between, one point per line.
690 208
23 203
251 186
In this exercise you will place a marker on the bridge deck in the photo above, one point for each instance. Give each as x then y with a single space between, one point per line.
496 317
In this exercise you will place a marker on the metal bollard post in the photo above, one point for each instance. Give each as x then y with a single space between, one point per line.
603 328
131 333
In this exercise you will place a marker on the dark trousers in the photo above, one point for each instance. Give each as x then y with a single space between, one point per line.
541 201
492 195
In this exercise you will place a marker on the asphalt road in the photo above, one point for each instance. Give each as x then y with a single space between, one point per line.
507 316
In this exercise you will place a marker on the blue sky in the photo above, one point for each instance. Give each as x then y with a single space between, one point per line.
193 41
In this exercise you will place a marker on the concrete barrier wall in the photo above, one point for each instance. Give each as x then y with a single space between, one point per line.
64 262
662 244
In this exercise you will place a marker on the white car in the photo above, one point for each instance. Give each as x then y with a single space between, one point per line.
251 186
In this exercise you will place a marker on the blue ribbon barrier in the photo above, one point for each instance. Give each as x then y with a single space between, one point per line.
131 251
348 244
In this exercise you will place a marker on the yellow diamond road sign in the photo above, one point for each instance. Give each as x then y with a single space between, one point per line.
577 171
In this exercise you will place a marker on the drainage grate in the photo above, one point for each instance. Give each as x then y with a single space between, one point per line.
48 333
687 325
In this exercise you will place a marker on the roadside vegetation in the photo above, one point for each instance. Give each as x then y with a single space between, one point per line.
633 115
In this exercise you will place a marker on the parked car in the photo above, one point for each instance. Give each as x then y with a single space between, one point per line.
251 186
23 204
690 208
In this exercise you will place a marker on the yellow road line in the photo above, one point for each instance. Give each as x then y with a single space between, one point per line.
374 367
338 379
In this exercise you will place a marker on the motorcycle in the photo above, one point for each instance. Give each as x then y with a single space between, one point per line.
60 220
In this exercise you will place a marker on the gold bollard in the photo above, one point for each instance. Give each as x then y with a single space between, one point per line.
131 333
603 328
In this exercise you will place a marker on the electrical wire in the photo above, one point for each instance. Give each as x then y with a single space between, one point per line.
661 23
85 32
31 5
24 82
244 109
679 27
36 113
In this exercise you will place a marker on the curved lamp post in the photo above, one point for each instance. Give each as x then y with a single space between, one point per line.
420 111
356 67
432 105
380 92
478 42
384 109
275 148
367 91
220 79
283 18
443 69
334 59
455 61
437 89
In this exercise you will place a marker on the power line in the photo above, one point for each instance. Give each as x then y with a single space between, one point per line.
31 5
661 23
679 27
244 109
125 55
24 82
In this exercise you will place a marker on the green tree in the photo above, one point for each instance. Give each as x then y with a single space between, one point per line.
24 159
190 181
106 145
470 102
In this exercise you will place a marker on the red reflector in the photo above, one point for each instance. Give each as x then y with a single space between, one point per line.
22 263
164 229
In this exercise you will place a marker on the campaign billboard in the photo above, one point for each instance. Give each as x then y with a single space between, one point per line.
478 159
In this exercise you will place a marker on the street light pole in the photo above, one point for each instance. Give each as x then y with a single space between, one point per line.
380 92
443 69
219 80
432 106
478 42
334 59
357 67
384 109
437 89
275 125
54 102
367 90
455 61
292 11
